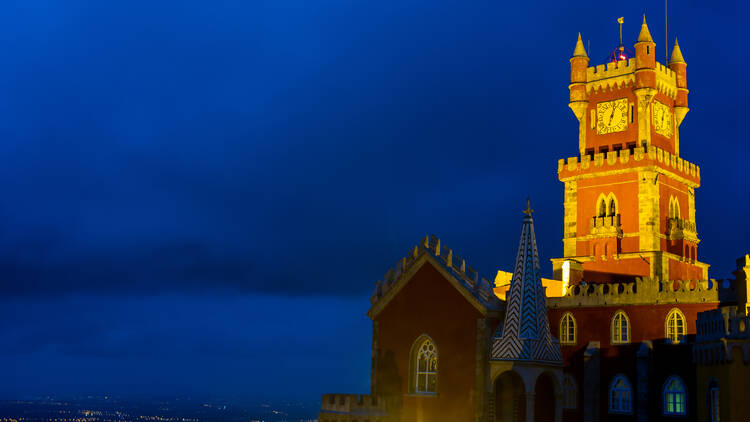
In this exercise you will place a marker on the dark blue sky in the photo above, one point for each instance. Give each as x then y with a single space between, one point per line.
198 197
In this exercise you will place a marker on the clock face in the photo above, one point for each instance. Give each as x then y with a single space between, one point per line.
612 116
662 119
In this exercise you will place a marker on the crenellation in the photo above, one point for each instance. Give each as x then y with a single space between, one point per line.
353 404
612 158
609 70
643 291
456 265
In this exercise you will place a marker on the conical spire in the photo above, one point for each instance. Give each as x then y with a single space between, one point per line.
579 51
645 35
525 332
676 54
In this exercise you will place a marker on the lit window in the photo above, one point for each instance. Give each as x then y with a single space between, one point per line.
569 400
425 363
567 329
620 328
713 401
675 326
674 396
620 395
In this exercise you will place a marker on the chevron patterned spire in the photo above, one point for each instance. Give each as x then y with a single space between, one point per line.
525 333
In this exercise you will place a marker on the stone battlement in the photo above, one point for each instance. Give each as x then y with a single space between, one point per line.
609 70
618 74
719 332
651 154
645 291
481 288
353 404
725 322
666 80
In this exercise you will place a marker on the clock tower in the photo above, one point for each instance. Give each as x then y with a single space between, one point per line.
629 196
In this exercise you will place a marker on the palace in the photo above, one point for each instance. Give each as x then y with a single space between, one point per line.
629 328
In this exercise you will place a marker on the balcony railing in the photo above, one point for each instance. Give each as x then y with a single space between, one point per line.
679 228
608 225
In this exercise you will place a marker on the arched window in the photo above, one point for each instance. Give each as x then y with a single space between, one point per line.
569 389
602 208
713 400
425 366
567 329
674 326
620 395
674 207
674 396
620 328
612 207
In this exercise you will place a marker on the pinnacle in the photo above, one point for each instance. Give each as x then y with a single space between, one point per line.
645 35
579 51
676 54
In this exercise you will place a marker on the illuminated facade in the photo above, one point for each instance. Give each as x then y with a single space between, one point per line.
615 336
629 196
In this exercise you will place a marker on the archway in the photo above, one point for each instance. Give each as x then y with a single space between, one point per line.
510 400
544 398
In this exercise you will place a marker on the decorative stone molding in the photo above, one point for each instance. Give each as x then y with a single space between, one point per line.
644 291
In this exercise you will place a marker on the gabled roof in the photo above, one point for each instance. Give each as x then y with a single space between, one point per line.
525 335
477 290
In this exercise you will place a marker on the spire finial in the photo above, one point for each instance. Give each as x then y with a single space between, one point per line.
645 35
528 209
579 51
676 54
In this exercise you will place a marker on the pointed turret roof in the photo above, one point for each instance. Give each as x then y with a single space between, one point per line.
525 335
645 35
676 54
579 51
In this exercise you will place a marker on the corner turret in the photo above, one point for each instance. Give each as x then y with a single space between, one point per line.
645 56
579 100
679 67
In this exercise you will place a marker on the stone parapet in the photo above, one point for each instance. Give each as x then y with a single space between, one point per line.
719 331
353 404
621 73
645 291
680 228
624 160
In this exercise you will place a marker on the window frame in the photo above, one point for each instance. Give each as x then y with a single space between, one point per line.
615 329
676 393
565 329
628 388
415 372
675 315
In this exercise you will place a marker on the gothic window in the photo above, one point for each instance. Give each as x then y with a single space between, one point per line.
612 207
620 328
425 364
567 329
713 401
620 395
602 208
674 207
674 396
569 390
674 327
